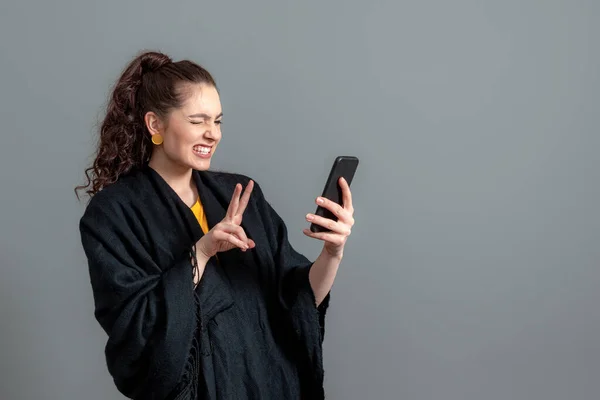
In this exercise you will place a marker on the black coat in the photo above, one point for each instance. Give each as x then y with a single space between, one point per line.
249 330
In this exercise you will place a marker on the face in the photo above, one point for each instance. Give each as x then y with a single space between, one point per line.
191 133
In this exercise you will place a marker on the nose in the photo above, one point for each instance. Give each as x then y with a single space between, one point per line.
212 130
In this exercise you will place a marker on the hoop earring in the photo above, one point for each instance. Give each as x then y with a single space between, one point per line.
157 139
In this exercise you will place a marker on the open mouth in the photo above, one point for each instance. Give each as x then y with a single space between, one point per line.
202 151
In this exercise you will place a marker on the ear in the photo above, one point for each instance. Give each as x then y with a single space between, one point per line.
153 123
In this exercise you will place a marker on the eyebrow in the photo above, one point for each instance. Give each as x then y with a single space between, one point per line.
202 115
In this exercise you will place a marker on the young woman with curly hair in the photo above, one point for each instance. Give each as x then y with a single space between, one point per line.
195 283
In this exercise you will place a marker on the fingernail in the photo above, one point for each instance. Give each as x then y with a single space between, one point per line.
320 200
309 217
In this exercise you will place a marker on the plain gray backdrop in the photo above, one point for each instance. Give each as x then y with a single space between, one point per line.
473 269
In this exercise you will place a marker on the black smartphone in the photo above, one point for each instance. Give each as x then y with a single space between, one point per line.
343 166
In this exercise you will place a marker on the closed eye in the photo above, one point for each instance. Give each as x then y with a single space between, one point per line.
201 122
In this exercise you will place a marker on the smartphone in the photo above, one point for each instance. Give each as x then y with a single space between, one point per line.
343 166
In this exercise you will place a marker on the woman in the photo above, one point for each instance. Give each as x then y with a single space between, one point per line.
195 283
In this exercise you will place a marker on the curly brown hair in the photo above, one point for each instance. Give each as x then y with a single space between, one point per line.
150 82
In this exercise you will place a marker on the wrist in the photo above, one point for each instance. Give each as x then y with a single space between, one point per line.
334 254
200 264
201 257
201 254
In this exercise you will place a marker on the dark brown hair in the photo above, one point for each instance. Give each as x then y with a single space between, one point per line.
151 82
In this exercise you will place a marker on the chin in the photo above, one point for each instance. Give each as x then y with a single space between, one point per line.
202 165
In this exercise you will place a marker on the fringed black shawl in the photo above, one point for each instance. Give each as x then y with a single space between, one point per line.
167 340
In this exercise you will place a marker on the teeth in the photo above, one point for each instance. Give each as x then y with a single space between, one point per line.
202 149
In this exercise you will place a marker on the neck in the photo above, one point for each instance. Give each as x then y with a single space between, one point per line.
177 176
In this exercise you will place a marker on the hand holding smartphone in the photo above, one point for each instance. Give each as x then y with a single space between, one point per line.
343 166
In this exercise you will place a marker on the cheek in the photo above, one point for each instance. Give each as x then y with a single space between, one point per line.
180 141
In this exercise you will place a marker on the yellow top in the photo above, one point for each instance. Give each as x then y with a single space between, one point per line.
198 211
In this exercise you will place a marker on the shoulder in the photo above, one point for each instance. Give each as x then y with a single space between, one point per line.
115 199
228 180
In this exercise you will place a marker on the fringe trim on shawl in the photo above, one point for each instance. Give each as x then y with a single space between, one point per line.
191 372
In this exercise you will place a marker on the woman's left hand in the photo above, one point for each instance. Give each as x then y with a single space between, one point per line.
340 229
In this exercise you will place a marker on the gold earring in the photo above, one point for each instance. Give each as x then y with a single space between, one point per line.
157 139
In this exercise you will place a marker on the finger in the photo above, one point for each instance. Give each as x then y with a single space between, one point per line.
234 202
333 238
239 233
237 242
236 230
245 198
230 238
334 207
346 194
334 226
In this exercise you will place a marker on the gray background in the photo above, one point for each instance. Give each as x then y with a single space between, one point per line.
473 269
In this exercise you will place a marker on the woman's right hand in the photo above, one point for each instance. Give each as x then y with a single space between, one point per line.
228 233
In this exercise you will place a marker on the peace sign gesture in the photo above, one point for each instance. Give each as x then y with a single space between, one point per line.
228 233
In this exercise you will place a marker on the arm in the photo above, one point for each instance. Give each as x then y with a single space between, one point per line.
324 270
148 312
303 287
322 274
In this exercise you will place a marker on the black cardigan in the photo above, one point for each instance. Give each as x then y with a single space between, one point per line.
137 235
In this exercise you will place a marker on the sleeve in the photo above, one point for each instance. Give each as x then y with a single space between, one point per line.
149 313
294 290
